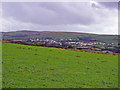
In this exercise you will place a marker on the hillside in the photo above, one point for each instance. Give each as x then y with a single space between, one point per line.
42 67
24 35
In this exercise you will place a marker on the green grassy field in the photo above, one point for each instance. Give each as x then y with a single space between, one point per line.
41 67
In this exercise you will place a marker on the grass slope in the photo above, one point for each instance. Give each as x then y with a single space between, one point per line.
42 67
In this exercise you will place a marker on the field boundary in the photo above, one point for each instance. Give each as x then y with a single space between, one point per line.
43 45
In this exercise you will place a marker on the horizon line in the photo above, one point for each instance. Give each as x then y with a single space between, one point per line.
63 32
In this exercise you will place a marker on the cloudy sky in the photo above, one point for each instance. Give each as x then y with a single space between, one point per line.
91 17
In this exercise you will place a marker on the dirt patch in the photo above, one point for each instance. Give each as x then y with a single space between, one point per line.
51 69
35 54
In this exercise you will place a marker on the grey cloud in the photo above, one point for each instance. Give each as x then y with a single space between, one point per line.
79 17
49 13
110 5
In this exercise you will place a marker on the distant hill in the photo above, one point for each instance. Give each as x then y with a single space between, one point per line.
24 35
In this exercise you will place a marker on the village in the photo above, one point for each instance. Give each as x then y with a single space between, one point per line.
73 44
63 42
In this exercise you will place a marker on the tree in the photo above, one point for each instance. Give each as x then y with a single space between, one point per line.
69 46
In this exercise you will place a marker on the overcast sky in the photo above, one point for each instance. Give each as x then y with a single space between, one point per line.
89 17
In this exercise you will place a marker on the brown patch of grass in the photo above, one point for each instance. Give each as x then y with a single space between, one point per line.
51 69
103 61
35 54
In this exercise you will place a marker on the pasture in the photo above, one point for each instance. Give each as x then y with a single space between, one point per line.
42 67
